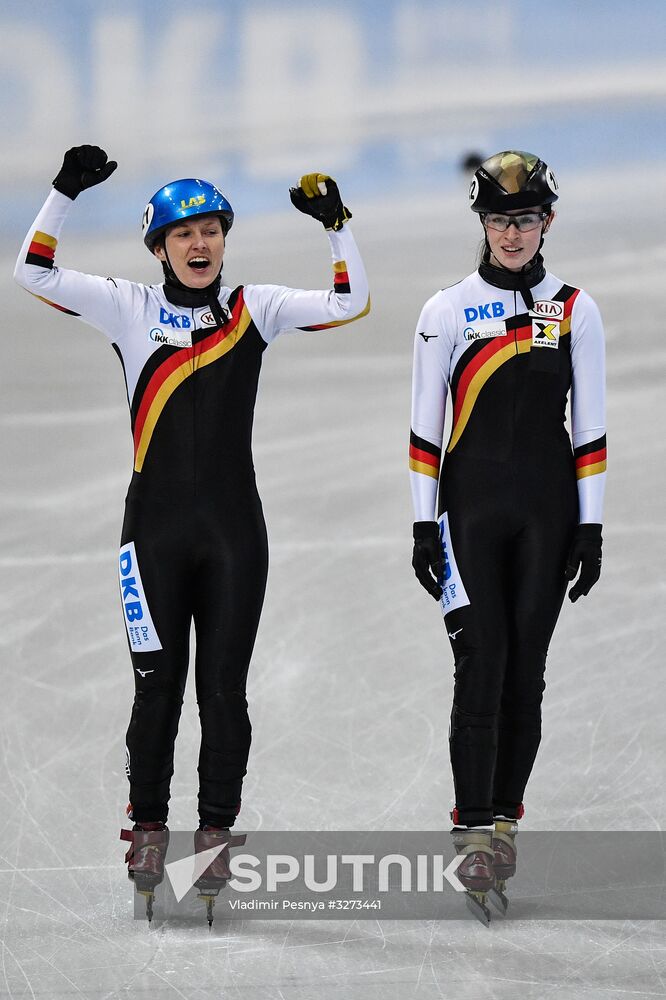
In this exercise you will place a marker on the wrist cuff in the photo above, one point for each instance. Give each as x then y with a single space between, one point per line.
425 529
64 188
589 532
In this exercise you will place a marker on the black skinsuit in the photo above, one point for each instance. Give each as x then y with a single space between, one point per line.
509 488
194 542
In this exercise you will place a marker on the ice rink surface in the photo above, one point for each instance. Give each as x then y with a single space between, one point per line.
351 682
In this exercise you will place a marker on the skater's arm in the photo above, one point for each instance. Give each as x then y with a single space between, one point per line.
275 308
588 407
432 355
95 300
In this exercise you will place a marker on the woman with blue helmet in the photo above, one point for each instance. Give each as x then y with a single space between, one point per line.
196 202
194 546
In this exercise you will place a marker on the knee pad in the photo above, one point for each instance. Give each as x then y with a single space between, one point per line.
162 694
478 684
225 725
462 721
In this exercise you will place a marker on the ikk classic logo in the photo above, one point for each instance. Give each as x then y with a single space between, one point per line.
174 322
485 321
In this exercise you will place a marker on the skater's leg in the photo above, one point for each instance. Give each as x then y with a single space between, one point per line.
159 533
230 590
479 638
538 586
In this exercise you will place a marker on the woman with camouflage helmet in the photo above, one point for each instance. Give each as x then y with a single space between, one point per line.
519 509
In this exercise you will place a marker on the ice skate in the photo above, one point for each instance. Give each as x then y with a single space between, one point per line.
216 876
145 859
476 871
504 863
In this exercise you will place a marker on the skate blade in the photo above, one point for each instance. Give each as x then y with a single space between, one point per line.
499 900
149 897
208 894
476 905
209 899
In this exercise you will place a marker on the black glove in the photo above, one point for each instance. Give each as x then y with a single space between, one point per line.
317 195
428 559
585 552
83 167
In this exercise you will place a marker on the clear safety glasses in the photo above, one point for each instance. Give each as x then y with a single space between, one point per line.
523 222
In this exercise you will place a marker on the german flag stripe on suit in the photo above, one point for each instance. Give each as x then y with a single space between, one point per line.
42 251
341 286
172 371
590 458
477 367
341 277
70 312
424 456
339 322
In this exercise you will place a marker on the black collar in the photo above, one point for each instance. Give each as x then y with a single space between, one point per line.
180 295
516 281
501 277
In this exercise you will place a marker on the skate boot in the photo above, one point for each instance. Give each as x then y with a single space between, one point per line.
217 874
145 859
476 871
504 851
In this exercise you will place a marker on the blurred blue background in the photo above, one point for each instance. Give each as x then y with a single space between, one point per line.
386 95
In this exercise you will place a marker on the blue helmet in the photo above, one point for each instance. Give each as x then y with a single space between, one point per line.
181 200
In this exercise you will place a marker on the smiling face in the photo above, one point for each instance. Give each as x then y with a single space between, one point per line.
513 249
196 249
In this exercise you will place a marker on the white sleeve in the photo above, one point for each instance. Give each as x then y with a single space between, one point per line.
275 308
588 407
433 346
101 302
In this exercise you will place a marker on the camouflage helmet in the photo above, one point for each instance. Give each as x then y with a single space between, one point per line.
511 180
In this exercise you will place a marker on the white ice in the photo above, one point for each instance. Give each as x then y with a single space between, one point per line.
351 682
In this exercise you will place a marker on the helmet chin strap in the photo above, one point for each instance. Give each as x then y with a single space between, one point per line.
180 294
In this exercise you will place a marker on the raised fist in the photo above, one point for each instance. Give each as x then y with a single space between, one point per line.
318 195
83 167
